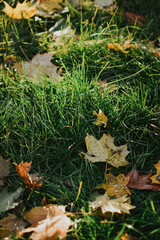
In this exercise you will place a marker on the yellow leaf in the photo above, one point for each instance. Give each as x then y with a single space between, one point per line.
156 178
104 150
121 46
115 186
101 118
118 205
50 5
22 10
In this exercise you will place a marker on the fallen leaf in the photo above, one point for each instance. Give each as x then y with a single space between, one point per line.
141 181
48 223
39 67
115 186
156 178
134 18
104 150
48 7
121 46
11 225
151 48
31 180
101 118
4 169
118 205
7 199
103 3
125 236
22 10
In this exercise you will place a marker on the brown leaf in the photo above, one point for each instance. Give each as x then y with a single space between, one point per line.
22 10
48 222
32 180
4 169
11 225
115 186
132 18
141 181
104 150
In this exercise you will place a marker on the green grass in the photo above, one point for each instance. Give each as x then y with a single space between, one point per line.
47 123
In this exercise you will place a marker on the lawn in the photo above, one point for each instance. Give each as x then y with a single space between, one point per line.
103 62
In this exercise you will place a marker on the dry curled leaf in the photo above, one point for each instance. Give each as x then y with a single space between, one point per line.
48 223
22 10
115 186
123 46
141 181
101 118
104 150
156 178
134 18
11 225
4 169
118 205
31 180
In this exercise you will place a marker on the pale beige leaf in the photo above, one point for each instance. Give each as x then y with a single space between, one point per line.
39 67
96 151
48 223
50 5
118 205
104 150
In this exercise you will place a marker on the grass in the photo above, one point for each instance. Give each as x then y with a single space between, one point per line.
47 123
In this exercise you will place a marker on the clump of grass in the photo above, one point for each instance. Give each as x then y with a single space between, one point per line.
47 124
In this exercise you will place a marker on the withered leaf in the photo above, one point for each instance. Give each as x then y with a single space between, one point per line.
31 180
118 205
133 17
156 178
104 150
22 10
7 199
11 225
101 118
141 181
115 186
4 169
48 223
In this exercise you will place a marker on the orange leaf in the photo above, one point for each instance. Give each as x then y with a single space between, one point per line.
32 180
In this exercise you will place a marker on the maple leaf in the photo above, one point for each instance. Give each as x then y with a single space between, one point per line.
11 225
104 150
156 178
31 180
39 67
141 181
115 186
4 169
48 222
22 10
101 118
118 205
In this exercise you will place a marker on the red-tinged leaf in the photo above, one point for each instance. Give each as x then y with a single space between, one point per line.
31 180
132 18
141 181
